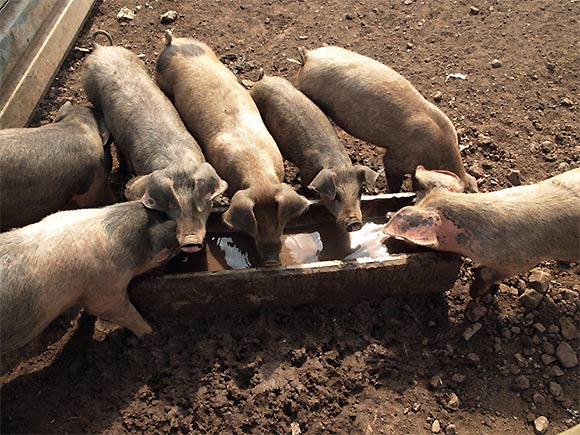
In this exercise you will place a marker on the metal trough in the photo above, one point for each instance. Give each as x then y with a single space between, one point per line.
203 292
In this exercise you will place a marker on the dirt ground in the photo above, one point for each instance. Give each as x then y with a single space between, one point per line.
395 366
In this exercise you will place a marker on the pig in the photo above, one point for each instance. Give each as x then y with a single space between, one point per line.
371 101
57 166
80 258
506 232
222 116
307 139
172 174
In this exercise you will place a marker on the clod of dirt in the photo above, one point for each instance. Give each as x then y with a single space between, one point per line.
566 355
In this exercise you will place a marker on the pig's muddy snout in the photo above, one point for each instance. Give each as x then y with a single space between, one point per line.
354 226
271 261
191 244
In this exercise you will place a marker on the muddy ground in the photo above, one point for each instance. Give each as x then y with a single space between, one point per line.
395 366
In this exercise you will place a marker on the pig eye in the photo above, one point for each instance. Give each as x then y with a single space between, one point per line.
150 202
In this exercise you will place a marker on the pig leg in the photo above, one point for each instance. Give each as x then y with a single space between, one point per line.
393 173
485 277
99 193
123 314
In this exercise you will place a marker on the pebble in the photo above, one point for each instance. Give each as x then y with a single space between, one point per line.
168 17
548 348
514 177
473 10
451 429
476 171
563 167
539 280
530 299
567 102
484 140
538 398
566 355
541 425
496 63
125 14
522 382
539 327
436 426
436 382
457 377
437 96
473 357
416 407
555 389
453 402
547 146
409 47
548 359
569 331
522 362
556 371
553 329
470 332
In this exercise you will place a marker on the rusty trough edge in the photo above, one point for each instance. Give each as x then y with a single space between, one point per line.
33 73
202 293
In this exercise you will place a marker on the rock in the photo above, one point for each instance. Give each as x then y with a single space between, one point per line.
556 372
451 429
530 299
484 140
496 63
548 348
553 329
522 362
539 327
514 177
503 288
563 167
569 331
555 389
410 47
457 377
541 425
547 146
522 382
473 11
551 67
437 96
548 359
436 382
476 171
436 426
470 332
475 311
125 14
473 357
566 355
168 17
539 280
416 407
538 398
407 2
567 102
552 157
453 402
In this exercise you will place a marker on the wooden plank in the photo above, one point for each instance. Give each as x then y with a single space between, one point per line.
33 73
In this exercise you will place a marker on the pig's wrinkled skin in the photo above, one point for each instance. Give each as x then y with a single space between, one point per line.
54 167
506 232
222 116
307 139
374 103
172 174
82 258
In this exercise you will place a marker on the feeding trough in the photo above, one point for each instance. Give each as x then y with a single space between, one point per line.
320 264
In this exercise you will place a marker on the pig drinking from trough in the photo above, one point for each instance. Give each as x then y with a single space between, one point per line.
507 232
79 257
53 167
222 116
172 174
374 103
307 139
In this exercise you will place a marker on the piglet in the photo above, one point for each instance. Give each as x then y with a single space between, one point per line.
373 102
222 116
57 166
172 174
79 257
307 139
506 232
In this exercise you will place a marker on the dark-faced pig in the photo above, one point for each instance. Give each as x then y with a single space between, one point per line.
53 167
307 139
79 257
507 232
172 174
374 103
222 116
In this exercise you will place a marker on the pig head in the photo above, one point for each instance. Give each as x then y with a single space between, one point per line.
263 212
340 191
182 193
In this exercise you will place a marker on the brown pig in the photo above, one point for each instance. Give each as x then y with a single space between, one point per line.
80 258
57 166
507 232
222 116
307 139
172 174
374 103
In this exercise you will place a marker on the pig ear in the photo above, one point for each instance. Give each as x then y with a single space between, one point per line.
63 111
415 225
366 176
168 37
208 185
290 204
104 131
159 194
438 179
240 214
324 184
136 187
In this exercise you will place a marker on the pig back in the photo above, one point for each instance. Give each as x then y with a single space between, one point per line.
144 124
301 130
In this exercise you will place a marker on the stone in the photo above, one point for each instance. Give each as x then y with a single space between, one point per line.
453 402
556 371
436 382
470 332
538 398
530 299
168 17
548 348
515 177
521 360
567 102
451 429
436 426
475 311
548 359
496 63
551 66
566 355
563 167
437 96
473 357
125 14
473 11
539 280
522 382
553 329
541 425
457 377
569 331
484 140
410 47
416 407
539 327
476 170
555 389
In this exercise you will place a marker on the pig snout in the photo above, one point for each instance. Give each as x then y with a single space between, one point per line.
353 224
271 260
270 254
191 242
